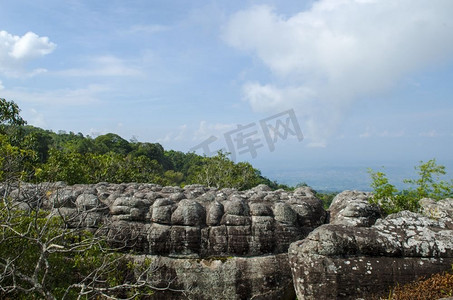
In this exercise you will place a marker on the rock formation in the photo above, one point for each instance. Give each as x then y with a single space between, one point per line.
358 255
224 243
229 244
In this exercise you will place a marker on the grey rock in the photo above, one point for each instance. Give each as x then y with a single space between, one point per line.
284 213
65 197
348 262
229 278
236 240
189 213
177 196
236 206
230 244
310 211
162 210
87 202
261 188
171 189
130 208
215 213
353 208
260 209
439 210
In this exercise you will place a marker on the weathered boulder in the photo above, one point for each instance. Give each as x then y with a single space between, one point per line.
439 210
353 208
129 209
189 213
229 278
162 210
348 262
87 202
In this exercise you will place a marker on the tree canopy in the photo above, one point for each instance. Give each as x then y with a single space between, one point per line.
75 158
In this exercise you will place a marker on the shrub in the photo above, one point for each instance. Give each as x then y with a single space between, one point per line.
428 185
436 287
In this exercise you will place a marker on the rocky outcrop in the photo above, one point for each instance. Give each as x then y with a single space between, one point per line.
195 221
217 244
352 208
349 259
257 244
438 210
260 277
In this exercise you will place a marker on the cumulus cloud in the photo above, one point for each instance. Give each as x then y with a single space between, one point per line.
325 58
16 51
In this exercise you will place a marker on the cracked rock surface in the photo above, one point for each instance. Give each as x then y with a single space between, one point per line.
349 260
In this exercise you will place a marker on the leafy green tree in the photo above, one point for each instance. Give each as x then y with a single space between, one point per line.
10 121
153 151
111 142
15 163
40 142
220 172
43 255
428 185
68 167
173 178
80 145
10 114
183 162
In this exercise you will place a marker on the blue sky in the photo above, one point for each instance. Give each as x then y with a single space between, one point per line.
370 81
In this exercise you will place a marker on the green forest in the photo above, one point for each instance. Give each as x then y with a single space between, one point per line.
39 155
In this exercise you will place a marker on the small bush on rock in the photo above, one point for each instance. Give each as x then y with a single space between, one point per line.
428 185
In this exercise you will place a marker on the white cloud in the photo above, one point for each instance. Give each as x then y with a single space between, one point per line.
392 134
82 96
317 144
36 119
366 134
16 51
106 65
205 130
30 46
1 85
182 133
431 134
329 56
174 137
146 29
